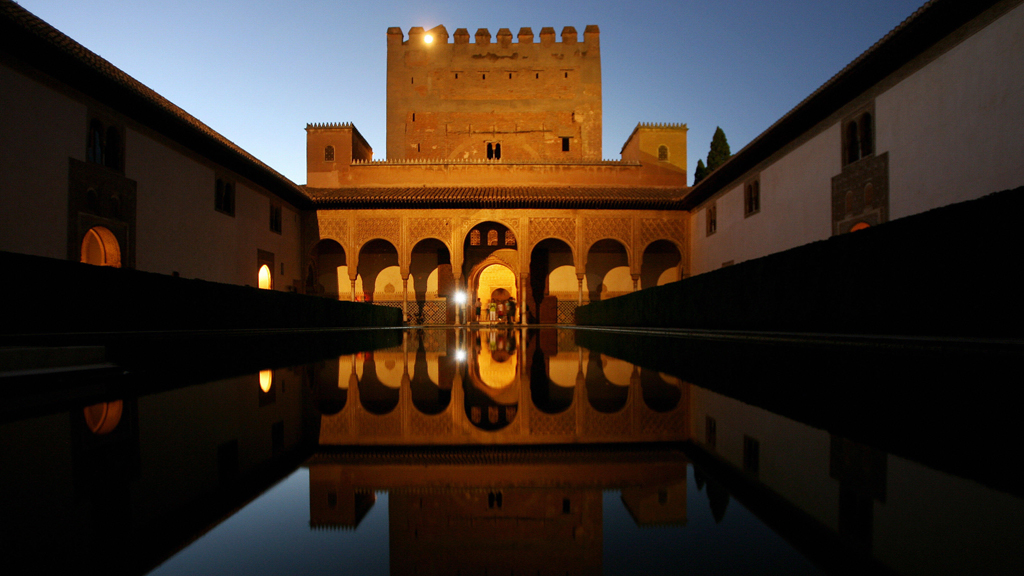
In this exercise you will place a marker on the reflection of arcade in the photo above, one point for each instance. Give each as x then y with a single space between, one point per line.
534 512
492 398
494 386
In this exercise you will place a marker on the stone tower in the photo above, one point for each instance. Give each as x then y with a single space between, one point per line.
502 101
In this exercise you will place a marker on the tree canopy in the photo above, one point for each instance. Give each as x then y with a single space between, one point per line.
719 152
700 172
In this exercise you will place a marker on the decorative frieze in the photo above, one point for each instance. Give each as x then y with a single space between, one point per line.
420 228
561 228
595 229
385 228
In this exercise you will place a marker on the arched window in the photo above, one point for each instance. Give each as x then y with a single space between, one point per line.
497 151
662 153
94 143
101 248
852 143
510 239
112 153
490 151
492 237
474 238
866 140
329 154
265 278
859 226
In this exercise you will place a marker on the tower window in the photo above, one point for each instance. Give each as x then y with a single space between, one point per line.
483 77
413 116
497 151
456 75
565 144
329 154
662 153
490 151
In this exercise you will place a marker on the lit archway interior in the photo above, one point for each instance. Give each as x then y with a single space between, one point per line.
100 248
492 278
265 280
266 380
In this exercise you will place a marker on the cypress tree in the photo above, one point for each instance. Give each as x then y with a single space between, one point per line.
699 172
719 152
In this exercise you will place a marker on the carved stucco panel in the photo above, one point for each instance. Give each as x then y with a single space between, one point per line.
334 226
420 228
652 229
562 228
386 228
595 229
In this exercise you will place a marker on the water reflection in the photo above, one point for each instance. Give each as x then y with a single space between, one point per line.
497 386
507 450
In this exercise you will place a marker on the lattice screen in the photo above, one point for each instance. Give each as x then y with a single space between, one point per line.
566 312
429 312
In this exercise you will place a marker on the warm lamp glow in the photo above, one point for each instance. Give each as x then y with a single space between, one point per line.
266 379
428 38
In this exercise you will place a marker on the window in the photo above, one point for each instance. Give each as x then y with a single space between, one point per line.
510 239
413 116
494 150
275 218
662 153
264 280
329 154
112 153
712 219
752 198
866 139
474 238
224 197
94 143
103 145
492 237
859 135
565 143
490 151
497 151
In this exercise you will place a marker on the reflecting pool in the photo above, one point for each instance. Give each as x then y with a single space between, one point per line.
491 451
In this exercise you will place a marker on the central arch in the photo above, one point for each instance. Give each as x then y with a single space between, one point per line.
490 257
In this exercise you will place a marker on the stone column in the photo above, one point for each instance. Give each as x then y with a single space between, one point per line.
636 281
405 297
353 289
579 279
520 305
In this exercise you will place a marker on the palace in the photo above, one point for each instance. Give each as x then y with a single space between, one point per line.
494 186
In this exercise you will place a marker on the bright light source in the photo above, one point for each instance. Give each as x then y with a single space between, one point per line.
460 355
460 297
266 379
428 38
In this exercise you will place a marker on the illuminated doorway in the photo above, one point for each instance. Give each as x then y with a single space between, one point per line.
101 248
496 284
266 281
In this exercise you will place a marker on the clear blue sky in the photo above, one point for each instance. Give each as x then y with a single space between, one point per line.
257 72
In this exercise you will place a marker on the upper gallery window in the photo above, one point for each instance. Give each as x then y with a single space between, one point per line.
858 136
752 197
275 218
492 237
224 197
712 219
474 238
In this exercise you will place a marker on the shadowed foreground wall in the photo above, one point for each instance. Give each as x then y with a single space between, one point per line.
951 271
49 295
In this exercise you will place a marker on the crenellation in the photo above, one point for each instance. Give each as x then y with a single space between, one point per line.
483 36
461 36
569 35
525 35
504 37
547 36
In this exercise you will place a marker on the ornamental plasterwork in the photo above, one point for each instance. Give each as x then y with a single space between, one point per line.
387 228
334 226
562 228
652 229
595 229
420 228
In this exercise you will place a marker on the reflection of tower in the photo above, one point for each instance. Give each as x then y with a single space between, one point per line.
657 505
496 531
335 504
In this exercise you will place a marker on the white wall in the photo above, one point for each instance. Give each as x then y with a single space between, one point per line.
39 129
955 129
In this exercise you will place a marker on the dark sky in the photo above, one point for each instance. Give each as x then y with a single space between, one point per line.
257 72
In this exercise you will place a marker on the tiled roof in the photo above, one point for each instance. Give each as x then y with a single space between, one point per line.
50 51
924 28
497 197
